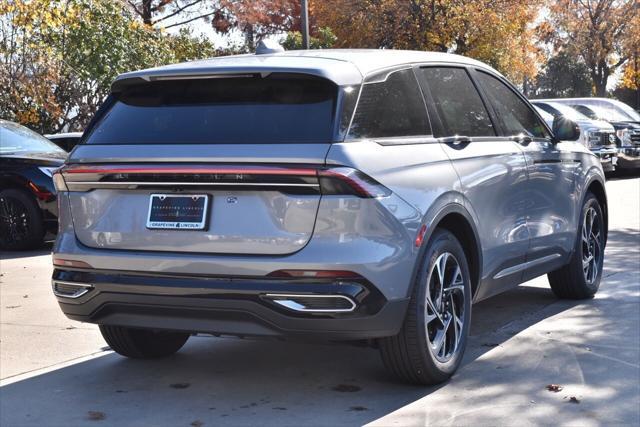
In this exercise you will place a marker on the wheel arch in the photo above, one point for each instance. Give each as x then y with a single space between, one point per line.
13 181
454 218
597 188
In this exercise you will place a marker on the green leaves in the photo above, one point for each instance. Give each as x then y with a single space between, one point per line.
63 56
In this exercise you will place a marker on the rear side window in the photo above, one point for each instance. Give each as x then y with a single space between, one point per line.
390 108
457 102
516 116
277 108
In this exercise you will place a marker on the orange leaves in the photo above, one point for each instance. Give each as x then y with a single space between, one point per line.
599 31
500 32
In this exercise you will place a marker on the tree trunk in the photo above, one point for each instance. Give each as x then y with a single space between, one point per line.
249 37
600 75
146 11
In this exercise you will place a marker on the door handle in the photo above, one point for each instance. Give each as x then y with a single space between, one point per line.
522 139
458 141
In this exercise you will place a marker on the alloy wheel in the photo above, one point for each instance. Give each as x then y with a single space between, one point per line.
14 221
445 312
591 245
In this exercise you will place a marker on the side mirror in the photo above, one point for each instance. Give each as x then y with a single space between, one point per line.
565 129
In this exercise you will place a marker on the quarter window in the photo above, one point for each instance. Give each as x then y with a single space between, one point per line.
456 102
390 108
516 116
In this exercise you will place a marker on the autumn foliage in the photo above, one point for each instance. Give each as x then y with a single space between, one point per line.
604 33
58 57
499 32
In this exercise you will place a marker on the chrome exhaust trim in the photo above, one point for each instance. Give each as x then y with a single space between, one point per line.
296 302
65 289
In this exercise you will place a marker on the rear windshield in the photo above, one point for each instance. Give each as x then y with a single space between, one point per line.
275 109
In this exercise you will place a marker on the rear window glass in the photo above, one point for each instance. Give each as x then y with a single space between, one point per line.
277 108
391 108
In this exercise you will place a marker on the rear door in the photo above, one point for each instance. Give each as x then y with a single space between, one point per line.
553 172
217 165
492 171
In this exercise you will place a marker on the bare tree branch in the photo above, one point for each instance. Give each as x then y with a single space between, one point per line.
177 11
190 20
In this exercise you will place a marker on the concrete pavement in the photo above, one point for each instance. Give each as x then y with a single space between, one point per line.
55 372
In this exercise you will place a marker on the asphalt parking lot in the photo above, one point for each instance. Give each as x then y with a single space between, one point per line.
58 372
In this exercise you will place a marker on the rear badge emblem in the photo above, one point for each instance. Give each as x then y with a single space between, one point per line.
232 199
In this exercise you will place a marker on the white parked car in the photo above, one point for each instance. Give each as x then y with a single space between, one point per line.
597 135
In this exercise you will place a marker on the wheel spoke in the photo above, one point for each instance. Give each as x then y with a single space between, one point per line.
434 313
457 325
591 245
441 265
441 338
585 236
444 301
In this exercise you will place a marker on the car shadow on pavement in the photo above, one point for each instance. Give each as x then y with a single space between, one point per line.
45 249
229 381
622 174
242 382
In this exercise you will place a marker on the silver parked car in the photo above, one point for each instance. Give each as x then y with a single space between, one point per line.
328 194
597 135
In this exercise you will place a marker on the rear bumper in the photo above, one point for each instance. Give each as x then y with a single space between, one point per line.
228 306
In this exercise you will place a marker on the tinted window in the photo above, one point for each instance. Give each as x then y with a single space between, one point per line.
549 109
390 108
516 116
586 111
457 102
278 108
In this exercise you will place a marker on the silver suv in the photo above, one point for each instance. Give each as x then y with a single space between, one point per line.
331 194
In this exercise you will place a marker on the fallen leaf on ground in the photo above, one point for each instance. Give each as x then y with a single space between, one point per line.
197 423
574 399
554 387
96 415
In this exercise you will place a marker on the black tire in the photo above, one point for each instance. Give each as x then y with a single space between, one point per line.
142 343
410 355
571 281
21 223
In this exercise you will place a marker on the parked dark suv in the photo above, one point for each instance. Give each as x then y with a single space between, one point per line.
331 194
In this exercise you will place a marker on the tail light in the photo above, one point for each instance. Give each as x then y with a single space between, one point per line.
329 181
58 181
347 181
40 193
